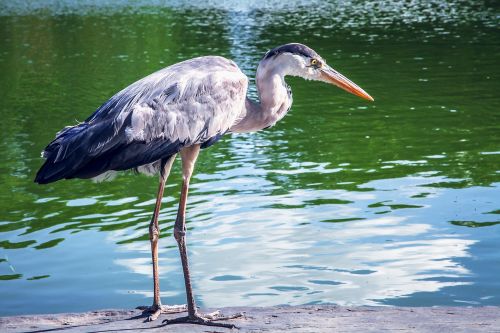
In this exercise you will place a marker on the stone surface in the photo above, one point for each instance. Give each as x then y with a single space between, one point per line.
275 319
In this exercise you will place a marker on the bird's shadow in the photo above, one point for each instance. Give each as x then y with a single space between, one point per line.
142 315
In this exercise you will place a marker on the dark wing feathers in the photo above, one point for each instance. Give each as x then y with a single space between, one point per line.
192 102
127 157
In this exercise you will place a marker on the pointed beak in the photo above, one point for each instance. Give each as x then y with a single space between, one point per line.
330 75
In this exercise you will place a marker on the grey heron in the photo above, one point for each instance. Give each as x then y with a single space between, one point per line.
181 109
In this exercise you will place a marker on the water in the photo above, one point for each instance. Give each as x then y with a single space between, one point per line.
388 203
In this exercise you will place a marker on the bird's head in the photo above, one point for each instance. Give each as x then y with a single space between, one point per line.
299 60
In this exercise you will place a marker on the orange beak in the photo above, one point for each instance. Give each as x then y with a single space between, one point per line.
330 75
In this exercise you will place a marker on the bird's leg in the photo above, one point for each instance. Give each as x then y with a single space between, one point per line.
154 234
189 156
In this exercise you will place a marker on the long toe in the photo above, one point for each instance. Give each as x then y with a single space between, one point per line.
211 319
155 311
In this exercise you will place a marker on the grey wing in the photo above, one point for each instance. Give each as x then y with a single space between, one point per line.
189 103
200 100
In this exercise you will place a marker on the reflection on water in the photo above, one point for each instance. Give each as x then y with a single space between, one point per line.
291 253
343 202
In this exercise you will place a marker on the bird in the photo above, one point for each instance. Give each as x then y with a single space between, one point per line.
180 110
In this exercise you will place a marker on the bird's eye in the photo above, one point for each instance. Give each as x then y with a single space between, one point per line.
315 63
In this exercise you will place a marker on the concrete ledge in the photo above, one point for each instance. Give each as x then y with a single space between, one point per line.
276 319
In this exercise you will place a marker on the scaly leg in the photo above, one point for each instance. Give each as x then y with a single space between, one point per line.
189 156
154 234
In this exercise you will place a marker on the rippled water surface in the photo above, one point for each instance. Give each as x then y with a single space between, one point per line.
395 202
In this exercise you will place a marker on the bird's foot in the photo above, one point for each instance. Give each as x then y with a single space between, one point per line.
208 319
155 310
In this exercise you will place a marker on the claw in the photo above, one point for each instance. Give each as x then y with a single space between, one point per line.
153 316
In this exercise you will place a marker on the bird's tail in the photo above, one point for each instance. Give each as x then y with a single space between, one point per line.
48 173
60 161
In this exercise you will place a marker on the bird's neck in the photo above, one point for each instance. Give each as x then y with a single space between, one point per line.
275 99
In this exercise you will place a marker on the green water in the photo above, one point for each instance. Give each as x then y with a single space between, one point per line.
395 202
